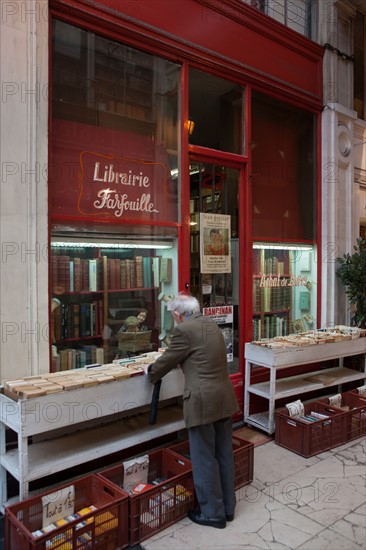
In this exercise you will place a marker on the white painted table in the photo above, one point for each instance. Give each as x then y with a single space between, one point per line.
283 358
62 430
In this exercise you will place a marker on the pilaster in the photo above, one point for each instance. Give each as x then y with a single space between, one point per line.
23 190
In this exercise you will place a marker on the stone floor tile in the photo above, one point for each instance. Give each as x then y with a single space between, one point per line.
329 540
292 503
353 526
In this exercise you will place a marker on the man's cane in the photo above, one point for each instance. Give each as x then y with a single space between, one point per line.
154 403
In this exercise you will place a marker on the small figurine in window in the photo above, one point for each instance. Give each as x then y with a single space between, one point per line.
134 324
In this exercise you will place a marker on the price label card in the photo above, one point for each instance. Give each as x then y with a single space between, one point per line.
58 505
135 471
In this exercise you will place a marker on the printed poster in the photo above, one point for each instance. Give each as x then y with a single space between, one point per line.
215 247
224 317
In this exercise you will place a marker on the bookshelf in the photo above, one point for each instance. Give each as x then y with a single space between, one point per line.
272 295
96 287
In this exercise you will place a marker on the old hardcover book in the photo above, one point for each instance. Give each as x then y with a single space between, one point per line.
77 274
123 277
139 272
84 275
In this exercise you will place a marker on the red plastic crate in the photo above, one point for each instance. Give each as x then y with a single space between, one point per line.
311 439
158 507
105 528
355 416
243 459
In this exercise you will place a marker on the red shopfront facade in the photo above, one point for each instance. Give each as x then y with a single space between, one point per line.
184 139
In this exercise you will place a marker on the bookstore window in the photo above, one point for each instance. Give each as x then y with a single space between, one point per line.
284 289
114 199
284 218
110 293
128 95
216 108
283 171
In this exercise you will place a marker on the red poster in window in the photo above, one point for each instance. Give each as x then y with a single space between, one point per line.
103 174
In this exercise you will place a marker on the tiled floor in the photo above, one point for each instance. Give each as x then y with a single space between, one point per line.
292 503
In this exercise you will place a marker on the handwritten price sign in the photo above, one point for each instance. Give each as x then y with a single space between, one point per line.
58 505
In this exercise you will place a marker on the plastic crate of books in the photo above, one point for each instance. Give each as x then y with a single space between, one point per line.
360 391
243 459
354 407
243 462
98 518
321 428
165 499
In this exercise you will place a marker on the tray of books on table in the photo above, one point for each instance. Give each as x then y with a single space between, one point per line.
339 333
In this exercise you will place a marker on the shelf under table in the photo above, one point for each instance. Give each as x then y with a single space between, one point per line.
301 384
55 455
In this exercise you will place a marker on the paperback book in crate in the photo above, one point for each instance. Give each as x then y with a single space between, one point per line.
243 459
164 499
354 408
94 516
320 428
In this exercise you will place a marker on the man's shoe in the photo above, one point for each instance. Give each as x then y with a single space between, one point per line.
229 517
198 517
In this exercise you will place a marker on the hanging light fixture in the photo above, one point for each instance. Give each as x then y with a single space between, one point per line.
190 126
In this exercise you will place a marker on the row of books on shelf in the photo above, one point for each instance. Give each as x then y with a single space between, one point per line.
271 298
272 325
79 358
267 261
87 275
76 274
78 320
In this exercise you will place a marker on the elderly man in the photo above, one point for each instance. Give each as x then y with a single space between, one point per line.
209 402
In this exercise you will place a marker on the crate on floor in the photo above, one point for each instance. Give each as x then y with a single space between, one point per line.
309 439
243 459
103 522
354 407
162 504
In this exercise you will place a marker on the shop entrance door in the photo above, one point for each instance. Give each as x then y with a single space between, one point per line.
214 248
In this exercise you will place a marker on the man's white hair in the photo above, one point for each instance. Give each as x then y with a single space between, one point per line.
185 305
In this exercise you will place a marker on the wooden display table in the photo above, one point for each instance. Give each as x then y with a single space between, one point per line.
283 358
76 426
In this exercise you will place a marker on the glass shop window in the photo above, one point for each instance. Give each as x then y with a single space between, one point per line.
115 100
216 108
110 293
284 186
114 198
284 289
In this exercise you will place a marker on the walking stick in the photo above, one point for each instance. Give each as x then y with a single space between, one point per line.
154 403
